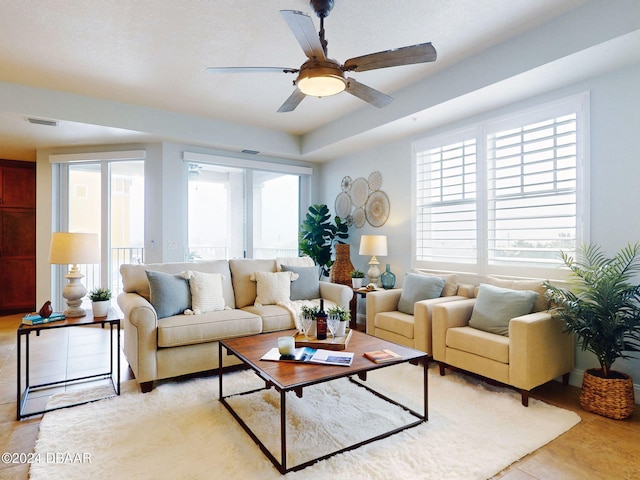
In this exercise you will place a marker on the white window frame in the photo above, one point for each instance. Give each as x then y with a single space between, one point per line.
578 104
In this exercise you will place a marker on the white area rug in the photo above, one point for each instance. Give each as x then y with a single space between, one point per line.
181 431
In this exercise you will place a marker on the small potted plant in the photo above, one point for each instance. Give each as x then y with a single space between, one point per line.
357 277
344 316
602 309
308 319
100 301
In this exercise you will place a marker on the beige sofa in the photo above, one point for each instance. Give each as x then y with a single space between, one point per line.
387 319
533 350
179 344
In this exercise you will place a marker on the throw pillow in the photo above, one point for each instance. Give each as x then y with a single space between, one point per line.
169 294
541 303
450 282
495 306
206 292
272 287
307 286
417 287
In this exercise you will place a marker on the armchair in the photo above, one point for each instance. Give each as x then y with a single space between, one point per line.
536 350
387 320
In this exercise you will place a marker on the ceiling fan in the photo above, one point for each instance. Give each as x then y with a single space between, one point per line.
321 76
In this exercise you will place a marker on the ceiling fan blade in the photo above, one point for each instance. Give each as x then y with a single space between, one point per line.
251 70
421 53
292 102
305 32
368 94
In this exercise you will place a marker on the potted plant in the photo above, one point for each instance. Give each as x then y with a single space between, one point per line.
344 316
317 235
357 277
100 301
603 311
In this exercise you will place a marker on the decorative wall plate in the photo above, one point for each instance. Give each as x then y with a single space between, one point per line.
375 181
359 192
346 184
377 209
359 217
343 205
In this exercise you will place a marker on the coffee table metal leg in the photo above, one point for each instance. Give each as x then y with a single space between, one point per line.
283 430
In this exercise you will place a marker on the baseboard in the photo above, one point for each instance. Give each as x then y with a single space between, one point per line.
576 380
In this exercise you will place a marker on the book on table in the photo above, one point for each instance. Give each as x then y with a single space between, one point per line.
382 356
311 355
36 319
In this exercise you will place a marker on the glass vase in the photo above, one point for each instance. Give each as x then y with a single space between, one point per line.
388 278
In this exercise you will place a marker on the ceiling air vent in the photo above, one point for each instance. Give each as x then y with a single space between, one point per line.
251 152
41 121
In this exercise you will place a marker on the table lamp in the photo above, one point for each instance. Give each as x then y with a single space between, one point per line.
74 249
373 245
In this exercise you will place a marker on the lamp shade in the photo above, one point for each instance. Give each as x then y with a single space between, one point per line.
74 248
373 245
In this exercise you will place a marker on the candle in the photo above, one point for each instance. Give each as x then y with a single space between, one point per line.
286 345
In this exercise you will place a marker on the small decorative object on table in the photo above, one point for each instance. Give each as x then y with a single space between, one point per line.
344 316
357 277
46 310
388 278
37 319
100 301
382 356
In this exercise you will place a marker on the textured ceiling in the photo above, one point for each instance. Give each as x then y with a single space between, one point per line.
153 53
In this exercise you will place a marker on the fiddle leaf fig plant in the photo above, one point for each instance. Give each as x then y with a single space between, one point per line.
318 234
603 307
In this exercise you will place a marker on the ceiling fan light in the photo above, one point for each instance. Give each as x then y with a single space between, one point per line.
321 86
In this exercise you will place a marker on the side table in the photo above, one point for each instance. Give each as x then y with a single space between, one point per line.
112 319
353 305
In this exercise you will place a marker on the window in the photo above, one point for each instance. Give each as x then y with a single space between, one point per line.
504 196
238 211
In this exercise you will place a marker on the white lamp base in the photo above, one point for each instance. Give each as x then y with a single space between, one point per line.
374 272
73 293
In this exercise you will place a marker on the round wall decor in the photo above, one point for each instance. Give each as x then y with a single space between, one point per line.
377 209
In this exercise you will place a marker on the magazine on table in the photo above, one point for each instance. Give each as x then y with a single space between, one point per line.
311 355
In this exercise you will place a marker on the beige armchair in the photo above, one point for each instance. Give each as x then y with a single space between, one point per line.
536 350
385 320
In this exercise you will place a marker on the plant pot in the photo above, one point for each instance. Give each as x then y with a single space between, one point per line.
101 308
341 331
357 282
609 397
342 267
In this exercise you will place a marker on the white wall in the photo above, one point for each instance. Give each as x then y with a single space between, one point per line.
615 170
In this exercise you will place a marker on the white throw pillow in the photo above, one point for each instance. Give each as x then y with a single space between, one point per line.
273 288
206 292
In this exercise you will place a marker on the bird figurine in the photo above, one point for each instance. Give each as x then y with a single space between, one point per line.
46 310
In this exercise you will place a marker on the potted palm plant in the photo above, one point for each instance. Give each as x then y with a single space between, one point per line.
100 301
603 311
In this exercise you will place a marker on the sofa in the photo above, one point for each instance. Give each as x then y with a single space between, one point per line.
506 333
176 313
403 315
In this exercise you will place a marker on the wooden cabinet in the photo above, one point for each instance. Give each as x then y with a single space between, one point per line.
17 236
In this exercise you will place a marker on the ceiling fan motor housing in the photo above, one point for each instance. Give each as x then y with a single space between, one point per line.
322 7
321 78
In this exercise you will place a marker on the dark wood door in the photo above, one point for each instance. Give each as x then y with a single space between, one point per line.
17 237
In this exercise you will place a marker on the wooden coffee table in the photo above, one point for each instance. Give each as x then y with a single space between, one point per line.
287 377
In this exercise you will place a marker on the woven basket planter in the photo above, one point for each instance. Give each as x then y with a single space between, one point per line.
609 397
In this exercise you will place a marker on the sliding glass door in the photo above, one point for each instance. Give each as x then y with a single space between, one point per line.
107 198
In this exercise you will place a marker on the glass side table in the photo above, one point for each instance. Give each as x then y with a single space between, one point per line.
112 319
